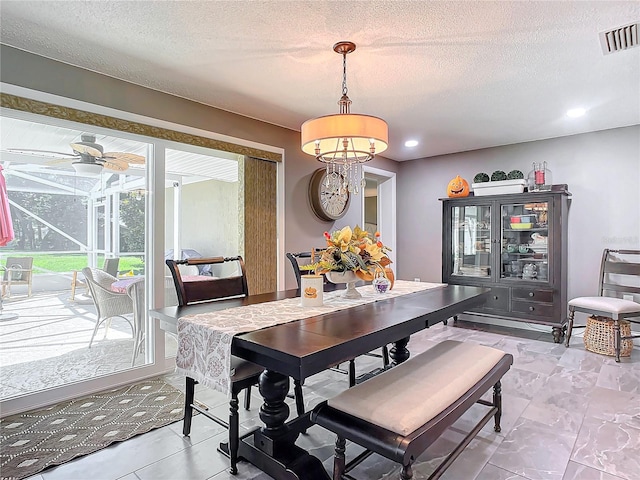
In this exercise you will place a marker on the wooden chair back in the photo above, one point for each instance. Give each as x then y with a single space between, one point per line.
620 274
295 259
208 288
307 257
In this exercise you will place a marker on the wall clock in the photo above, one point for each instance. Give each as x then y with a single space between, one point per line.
329 201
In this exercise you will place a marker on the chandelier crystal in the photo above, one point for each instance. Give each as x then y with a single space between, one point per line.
346 140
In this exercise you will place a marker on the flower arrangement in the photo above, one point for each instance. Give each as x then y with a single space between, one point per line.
353 250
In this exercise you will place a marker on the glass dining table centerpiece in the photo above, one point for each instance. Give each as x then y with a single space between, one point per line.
353 255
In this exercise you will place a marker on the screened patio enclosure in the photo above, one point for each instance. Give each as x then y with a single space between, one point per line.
58 212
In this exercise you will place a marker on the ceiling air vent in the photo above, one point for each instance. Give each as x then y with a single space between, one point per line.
618 39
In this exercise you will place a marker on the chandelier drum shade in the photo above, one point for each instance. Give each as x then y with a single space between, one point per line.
345 140
326 134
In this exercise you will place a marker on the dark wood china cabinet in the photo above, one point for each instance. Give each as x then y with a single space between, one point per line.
516 244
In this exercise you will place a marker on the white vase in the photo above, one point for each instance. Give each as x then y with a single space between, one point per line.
348 277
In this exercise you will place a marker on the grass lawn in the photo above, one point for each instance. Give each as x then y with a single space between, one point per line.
67 263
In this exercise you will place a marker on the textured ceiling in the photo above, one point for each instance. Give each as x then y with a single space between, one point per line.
456 76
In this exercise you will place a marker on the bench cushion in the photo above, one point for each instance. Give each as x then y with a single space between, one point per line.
407 396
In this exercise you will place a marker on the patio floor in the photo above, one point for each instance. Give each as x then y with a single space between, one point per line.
44 339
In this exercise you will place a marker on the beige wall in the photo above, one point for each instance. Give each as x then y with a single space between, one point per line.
202 230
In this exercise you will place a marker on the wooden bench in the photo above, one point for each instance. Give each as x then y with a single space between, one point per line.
401 412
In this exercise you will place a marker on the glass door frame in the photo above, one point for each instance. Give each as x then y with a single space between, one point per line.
447 265
549 247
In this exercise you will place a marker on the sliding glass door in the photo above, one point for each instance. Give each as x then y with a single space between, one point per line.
80 198
76 201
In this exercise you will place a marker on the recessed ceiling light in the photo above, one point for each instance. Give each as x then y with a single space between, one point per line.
576 112
411 143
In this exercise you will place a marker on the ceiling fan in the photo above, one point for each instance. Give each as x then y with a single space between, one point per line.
88 157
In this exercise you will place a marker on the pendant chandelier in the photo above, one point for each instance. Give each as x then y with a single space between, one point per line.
346 140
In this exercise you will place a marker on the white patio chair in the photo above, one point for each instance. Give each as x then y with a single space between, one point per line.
108 303
110 266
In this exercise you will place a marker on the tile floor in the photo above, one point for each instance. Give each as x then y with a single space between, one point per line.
569 414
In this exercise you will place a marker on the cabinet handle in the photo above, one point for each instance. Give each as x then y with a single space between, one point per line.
495 297
531 309
531 294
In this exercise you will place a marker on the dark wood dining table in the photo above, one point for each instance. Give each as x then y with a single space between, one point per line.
305 347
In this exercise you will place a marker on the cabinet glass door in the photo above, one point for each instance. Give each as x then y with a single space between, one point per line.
471 241
524 244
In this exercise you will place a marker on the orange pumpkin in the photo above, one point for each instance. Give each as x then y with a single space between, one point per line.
458 187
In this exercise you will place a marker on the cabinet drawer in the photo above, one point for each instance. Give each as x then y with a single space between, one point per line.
498 299
533 294
532 308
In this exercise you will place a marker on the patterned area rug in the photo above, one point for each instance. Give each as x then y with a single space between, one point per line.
33 441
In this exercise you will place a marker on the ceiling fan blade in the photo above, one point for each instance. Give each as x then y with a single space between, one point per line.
41 153
131 158
58 161
115 164
78 147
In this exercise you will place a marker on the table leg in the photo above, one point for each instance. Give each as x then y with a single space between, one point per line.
399 352
272 448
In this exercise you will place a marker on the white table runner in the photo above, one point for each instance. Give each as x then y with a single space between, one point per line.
204 340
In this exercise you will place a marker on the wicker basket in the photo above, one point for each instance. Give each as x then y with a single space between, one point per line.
599 336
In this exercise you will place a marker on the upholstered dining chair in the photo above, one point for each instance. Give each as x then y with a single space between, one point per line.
17 271
309 257
245 373
108 303
618 290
